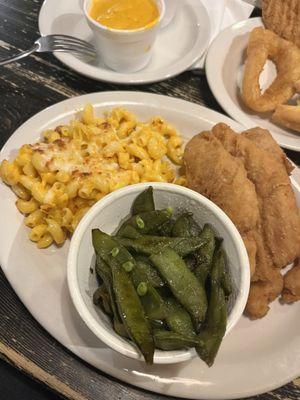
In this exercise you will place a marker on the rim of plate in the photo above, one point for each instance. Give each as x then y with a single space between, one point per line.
213 71
139 77
111 98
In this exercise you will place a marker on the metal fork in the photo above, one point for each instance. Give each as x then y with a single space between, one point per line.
50 43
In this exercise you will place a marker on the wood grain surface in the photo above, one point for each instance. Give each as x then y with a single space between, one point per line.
27 87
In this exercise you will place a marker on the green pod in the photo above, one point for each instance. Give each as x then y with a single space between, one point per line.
215 325
191 261
184 285
104 271
108 247
101 298
152 302
143 202
204 255
157 324
165 229
225 278
128 231
146 272
152 244
166 340
178 319
131 311
147 222
185 226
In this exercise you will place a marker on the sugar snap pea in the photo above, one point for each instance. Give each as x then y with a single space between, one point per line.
107 247
215 325
131 311
178 319
205 254
143 202
182 282
147 272
185 226
146 222
151 244
166 340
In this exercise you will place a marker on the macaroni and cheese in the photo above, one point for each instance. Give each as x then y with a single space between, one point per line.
59 178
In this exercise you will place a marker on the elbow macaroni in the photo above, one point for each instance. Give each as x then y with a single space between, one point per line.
59 178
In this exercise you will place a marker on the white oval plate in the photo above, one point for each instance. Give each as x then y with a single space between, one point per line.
177 47
254 358
224 63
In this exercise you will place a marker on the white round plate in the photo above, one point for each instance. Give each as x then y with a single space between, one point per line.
177 46
224 64
254 358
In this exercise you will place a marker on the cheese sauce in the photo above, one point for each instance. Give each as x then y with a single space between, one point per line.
125 14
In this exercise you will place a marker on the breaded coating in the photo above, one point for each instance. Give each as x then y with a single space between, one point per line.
291 288
247 176
282 17
264 140
280 219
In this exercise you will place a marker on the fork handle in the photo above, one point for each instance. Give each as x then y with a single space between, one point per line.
23 54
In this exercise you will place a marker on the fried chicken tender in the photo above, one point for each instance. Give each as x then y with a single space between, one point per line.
250 183
291 289
282 17
280 219
264 140
264 44
213 172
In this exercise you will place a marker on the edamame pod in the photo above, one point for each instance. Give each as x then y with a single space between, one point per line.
128 231
184 285
131 312
147 272
144 202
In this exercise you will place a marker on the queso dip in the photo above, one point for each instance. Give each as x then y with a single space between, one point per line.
125 14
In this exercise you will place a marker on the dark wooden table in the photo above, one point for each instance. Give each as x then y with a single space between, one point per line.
26 88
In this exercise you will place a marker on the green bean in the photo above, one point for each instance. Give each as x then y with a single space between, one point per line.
131 311
152 244
182 282
215 325
185 226
166 340
178 319
144 202
146 223
105 246
147 272
205 254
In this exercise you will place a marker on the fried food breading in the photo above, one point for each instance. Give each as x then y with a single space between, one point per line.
279 214
263 139
250 183
287 116
282 17
264 44
291 289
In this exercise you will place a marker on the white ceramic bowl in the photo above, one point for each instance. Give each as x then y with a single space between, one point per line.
106 215
124 50
170 12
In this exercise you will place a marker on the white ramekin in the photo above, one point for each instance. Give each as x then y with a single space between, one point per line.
106 214
124 50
